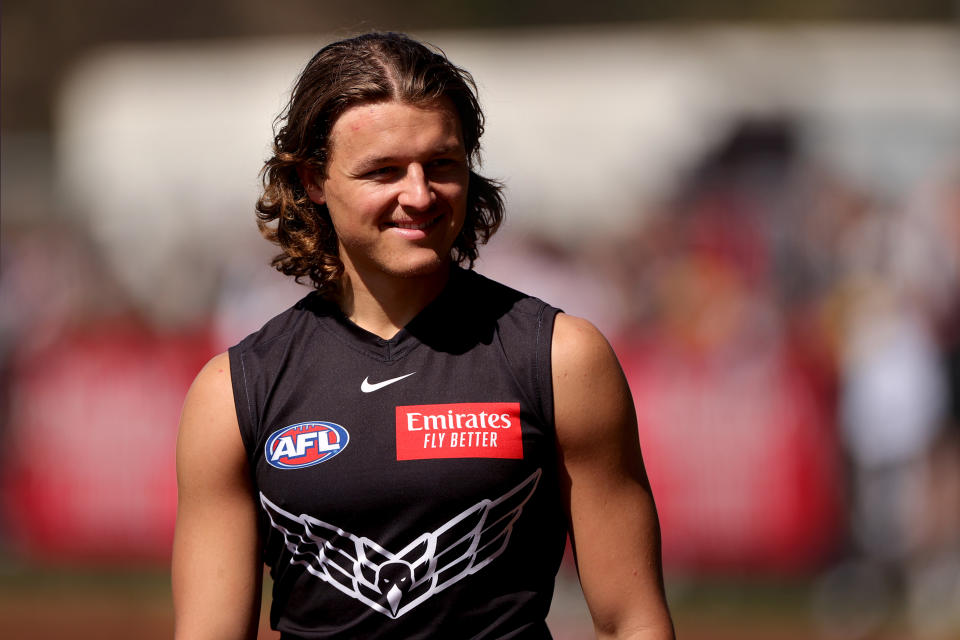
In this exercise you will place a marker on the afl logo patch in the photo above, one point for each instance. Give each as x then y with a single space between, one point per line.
305 444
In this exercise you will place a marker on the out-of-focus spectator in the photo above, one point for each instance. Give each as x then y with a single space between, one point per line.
894 399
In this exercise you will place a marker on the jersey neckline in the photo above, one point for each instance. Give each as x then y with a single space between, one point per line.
429 321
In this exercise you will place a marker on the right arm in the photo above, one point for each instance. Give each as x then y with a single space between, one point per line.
217 572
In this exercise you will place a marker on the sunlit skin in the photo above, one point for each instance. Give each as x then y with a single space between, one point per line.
396 189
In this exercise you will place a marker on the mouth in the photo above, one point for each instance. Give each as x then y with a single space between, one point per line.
413 226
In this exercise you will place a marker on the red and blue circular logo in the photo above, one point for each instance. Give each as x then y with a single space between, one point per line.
305 444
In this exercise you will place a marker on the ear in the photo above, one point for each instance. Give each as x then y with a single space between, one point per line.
313 184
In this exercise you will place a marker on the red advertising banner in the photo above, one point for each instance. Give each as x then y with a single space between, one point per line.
741 455
742 459
88 462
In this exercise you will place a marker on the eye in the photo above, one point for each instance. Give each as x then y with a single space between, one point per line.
381 172
442 163
444 168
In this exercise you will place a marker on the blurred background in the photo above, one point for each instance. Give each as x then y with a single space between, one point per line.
758 203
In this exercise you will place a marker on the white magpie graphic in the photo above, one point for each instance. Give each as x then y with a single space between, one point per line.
394 583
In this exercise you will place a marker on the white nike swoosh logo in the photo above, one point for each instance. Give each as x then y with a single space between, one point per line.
366 386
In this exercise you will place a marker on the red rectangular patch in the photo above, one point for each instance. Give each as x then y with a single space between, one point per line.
462 430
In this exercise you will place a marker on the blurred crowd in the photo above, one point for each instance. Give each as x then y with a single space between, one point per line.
766 260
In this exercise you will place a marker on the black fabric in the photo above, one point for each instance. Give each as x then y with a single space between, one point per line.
473 543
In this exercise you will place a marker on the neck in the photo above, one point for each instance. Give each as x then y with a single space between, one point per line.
383 304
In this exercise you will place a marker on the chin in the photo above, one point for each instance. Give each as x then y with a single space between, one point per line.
403 263
422 267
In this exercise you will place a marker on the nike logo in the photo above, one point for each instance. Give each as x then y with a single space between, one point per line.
366 386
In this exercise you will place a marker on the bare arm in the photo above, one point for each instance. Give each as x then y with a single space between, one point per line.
614 528
217 573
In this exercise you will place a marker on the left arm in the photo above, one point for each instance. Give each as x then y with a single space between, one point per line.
613 520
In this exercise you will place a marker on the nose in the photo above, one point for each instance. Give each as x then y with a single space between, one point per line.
415 192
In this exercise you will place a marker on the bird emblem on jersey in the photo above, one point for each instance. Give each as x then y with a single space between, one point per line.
394 583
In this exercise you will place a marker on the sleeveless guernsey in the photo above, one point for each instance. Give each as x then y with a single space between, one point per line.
407 487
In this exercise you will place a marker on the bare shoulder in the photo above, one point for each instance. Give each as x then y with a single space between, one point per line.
588 383
209 419
213 381
578 343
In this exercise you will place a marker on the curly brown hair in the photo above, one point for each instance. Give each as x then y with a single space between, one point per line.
373 67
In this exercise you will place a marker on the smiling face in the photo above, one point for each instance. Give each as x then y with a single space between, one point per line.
396 188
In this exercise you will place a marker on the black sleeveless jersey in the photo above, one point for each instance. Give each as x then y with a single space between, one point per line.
407 487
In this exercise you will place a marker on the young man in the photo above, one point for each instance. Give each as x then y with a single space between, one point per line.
408 446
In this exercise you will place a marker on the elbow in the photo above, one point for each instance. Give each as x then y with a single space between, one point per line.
657 630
